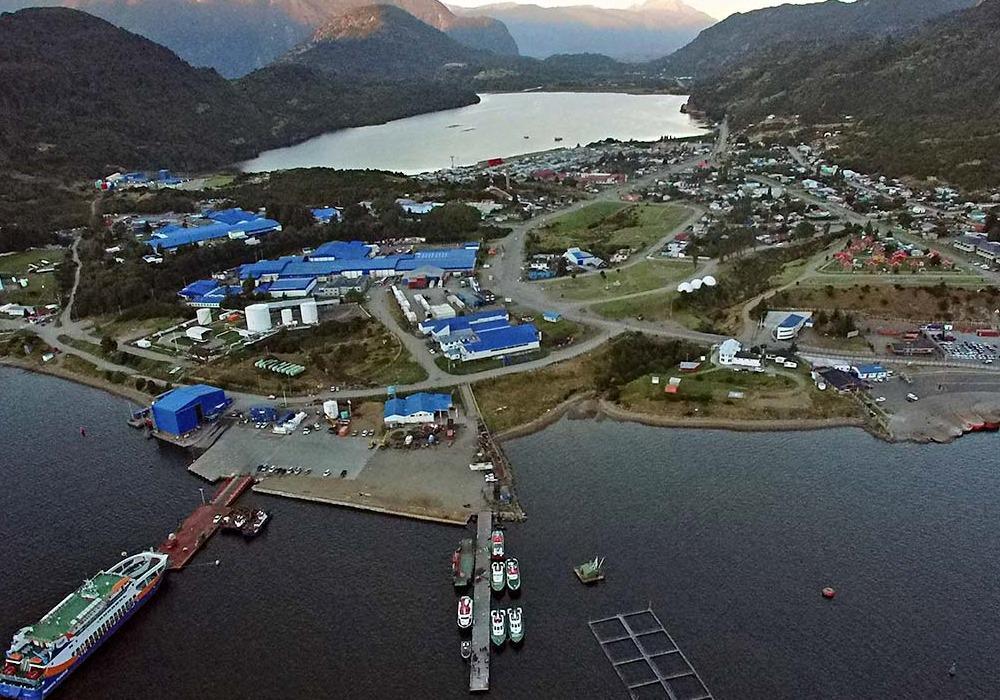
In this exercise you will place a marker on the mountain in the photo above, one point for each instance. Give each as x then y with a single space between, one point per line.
741 36
238 36
81 97
639 33
926 105
380 41
77 91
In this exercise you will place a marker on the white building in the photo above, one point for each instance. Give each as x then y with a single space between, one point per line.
732 354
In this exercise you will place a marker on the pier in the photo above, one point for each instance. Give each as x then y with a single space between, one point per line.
479 666
195 531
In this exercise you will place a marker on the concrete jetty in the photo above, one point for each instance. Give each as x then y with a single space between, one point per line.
479 667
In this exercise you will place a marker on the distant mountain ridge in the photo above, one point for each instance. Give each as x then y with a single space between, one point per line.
238 36
925 105
641 32
743 35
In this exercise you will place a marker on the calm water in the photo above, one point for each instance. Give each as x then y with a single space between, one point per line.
730 536
495 127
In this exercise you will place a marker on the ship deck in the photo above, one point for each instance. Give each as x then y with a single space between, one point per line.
61 620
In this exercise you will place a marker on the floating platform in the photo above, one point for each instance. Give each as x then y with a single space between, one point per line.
195 531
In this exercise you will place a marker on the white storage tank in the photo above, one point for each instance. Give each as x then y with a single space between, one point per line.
287 318
258 318
204 317
310 312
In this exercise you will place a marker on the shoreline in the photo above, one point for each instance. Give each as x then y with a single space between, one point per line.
117 390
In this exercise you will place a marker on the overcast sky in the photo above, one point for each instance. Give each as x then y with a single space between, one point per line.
716 8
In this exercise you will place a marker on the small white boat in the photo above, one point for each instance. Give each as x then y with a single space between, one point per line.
516 625
465 612
496 544
498 627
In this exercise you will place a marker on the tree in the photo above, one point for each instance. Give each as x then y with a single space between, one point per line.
109 345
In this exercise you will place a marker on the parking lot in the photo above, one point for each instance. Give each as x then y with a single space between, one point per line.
955 345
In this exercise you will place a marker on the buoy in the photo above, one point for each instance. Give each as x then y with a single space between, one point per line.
83 431
124 553
954 668
829 593
216 562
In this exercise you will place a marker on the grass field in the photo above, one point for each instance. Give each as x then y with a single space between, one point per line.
609 226
41 289
644 276
655 306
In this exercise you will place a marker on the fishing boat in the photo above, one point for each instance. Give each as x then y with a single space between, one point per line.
462 563
496 544
466 649
516 625
513 574
465 612
590 571
497 577
42 655
498 628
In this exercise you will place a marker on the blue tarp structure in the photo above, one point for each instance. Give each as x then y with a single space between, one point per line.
183 409
418 403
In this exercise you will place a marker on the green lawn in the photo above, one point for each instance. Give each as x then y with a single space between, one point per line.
644 276
41 289
609 226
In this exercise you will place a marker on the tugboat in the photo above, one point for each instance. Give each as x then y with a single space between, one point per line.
516 625
465 612
497 577
466 649
591 571
513 574
498 628
496 540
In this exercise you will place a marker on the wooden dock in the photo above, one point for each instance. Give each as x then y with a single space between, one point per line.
194 532
479 665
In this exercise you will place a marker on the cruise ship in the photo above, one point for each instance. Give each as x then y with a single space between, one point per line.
43 655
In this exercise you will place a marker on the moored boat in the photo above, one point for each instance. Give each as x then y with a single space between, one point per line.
466 649
513 574
497 576
514 617
42 655
496 542
590 571
465 612
463 563
498 627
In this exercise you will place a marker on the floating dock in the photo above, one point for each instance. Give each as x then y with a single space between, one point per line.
194 532
479 665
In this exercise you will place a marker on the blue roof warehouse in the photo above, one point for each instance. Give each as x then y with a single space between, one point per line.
184 409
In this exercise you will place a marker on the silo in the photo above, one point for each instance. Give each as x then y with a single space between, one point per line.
258 318
287 318
310 312
204 317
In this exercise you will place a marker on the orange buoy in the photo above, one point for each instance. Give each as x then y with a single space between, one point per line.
829 593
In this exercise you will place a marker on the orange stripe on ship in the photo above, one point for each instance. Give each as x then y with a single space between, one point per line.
56 670
145 591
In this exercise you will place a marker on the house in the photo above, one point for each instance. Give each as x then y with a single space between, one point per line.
841 381
732 354
870 373
551 316
581 258
418 408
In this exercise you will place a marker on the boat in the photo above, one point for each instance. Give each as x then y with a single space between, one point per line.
558 139
498 628
42 655
463 562
590 571
496 543
497 579
466 649
516 625
513 574
465 612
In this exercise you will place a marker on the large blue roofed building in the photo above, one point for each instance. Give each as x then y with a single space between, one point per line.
342 250
418 408
351 260
496 342
174 236
181 410
208 293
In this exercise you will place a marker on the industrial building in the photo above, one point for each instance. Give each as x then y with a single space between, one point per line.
870 373
481 335
233 224
418 408
208 294
184 409
581 258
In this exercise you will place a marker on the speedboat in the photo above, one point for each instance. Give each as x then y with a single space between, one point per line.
516 625
496 542
497 577
466 649
465 612
498 628
513 574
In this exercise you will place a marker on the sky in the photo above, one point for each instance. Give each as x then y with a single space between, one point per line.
716 8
